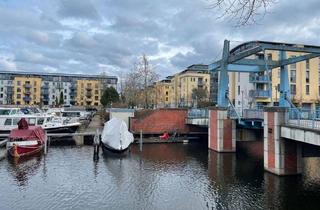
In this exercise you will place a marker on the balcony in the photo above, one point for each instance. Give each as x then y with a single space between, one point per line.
45 87
260 93
27 85
27 92
88 94
259 78
200 83
88 99
27 98
88 88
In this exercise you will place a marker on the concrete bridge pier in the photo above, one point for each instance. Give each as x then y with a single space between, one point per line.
222 131
281 156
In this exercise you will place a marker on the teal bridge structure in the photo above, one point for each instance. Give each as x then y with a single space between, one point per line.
238 60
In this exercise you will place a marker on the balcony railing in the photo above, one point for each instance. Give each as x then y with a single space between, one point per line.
260 93
27 98
27 85
259 78
200 83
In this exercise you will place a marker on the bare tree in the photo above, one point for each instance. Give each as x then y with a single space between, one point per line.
131 87
147 76
244 12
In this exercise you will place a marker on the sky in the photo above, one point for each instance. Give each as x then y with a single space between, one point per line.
95 36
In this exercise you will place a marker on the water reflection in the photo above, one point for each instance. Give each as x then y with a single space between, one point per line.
160 177
23 168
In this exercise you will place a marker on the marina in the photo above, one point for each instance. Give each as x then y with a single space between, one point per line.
162 176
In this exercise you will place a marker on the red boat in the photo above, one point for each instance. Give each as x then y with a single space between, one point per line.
25 140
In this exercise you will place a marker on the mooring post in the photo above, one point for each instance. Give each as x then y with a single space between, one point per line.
45 142
96 141
140 140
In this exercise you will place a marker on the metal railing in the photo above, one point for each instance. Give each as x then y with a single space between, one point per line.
256 113
259 78
260 93
198 113
303 117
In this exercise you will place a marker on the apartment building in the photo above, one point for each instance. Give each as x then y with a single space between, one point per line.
164 93
53 86
27 90
89 92
194 77
264 87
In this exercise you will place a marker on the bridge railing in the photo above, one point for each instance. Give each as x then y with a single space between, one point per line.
303 117
256 113
198 113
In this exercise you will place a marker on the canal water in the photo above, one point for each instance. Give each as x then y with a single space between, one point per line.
166 176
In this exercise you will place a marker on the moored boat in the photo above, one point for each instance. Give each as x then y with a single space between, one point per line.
115 136
25 140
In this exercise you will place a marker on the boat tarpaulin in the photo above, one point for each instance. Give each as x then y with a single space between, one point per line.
33 132
115 134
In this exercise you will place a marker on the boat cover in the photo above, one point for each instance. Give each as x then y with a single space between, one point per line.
115 134
26 132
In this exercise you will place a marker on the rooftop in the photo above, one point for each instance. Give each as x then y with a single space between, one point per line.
57 74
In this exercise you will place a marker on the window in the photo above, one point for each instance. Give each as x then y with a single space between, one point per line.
307 89
167 99
293 89
238 76
40 121
15 121
96 92
307 76
34 89
238 89
293 76
65 90
18 83
18 96
307 64
96 98
167 93
35 83
32 121
8 122
18 90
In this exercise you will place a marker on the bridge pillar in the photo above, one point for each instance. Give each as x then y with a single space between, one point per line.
222 131
281 156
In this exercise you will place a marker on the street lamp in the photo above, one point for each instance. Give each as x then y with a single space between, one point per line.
241 102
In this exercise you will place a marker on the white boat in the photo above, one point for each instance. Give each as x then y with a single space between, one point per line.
48 122
115 136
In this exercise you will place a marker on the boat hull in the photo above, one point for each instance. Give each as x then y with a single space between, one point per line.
62 129
17 151
107 149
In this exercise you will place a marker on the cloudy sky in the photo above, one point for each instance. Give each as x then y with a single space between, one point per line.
94 36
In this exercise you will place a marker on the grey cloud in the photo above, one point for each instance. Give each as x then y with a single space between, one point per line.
78 9
110 35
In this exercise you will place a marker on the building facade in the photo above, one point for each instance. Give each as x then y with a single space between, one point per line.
50 88
194 77
26 90
263 88
89 92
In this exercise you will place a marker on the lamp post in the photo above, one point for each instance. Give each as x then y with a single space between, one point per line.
241 102
276 87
